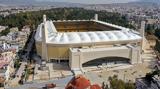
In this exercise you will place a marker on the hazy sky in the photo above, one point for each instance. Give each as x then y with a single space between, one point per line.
92 1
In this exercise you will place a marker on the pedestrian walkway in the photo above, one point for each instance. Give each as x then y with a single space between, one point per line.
18 76
60 83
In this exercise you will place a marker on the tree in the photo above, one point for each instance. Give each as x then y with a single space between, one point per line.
150 29
116 83
4 32
157 33
34 18
130 86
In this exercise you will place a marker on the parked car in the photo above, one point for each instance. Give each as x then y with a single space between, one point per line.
51 85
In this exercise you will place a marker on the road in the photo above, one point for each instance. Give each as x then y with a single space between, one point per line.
60 83
25 57
29 48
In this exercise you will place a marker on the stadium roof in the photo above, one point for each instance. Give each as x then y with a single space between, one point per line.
55 37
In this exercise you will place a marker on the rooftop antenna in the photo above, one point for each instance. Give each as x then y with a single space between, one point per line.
96 17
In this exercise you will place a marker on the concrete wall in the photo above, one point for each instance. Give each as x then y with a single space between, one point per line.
54 52
77 58
80 56
136 55
39 48
58 53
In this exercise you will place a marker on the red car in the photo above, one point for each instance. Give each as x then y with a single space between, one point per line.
52 85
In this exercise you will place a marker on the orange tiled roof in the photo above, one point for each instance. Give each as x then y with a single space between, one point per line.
81 82
95 86
2 80
78 83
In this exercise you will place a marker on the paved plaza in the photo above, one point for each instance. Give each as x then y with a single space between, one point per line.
52 71
130 73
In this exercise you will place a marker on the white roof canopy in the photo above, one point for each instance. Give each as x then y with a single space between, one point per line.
85 37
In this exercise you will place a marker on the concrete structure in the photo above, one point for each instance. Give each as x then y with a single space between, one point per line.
81 41
142 32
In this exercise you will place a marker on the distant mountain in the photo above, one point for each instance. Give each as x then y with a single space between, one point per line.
59 4
17 2
38 3
139 3
152 1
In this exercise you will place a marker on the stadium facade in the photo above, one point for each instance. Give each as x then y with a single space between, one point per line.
81 41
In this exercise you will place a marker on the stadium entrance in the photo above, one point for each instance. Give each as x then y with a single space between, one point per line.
106 61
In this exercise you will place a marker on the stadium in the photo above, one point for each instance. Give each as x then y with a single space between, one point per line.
83 42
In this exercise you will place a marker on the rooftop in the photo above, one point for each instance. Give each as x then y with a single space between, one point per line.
80 82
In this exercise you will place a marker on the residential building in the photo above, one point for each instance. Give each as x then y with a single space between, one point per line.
16 38
7 56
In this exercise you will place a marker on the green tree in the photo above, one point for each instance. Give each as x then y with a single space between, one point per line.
4 32
130 86
116 83
17 64
34 18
